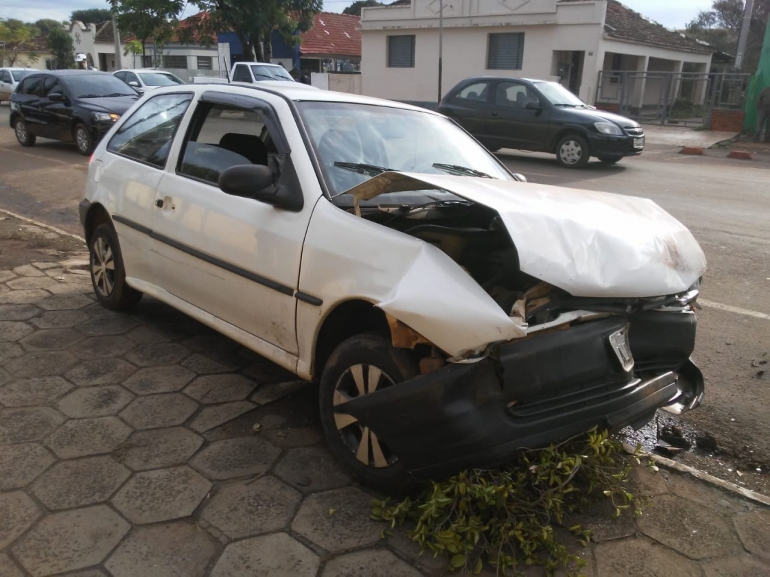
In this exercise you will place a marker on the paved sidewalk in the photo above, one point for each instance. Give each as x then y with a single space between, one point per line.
146 445
681 136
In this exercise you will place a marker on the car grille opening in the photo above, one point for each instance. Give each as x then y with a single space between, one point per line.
634 130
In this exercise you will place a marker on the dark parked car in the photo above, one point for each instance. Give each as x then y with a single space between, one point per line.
541 116
77 106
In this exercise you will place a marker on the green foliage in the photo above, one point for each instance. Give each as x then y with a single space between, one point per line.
149 20
355 8
45 25
91 15
62 49
508 517
16 37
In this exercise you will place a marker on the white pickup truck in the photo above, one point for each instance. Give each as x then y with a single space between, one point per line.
249 72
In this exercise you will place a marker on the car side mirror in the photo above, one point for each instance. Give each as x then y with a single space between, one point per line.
261 183
134 83
520 177
246 180
533 106
56 97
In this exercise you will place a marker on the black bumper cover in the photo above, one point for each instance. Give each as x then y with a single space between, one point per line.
534 392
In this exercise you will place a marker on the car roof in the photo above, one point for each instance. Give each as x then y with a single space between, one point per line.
68 73
262 64
19 68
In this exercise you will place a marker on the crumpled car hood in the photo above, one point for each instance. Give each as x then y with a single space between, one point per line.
591 244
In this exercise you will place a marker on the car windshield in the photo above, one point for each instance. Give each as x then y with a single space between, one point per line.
159 79
271 73
355 142
96 86
557 95
19 74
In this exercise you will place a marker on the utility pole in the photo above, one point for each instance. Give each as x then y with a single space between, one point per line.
116 35
440 44
744 34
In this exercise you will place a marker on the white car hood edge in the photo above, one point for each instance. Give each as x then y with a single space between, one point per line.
591 244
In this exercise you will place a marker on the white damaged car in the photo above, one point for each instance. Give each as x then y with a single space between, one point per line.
451 312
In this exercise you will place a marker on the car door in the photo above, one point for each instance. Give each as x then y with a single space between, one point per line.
54 116
518 118
236 258
6 85
29 98
469 106
132 169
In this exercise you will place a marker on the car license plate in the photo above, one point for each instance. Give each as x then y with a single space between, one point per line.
639 142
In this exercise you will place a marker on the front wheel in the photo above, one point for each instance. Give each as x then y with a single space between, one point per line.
108 274
573 151
22 133
83 140
360 366
610 159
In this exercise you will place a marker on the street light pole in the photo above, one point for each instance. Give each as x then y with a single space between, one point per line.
744 34
440 43
116 38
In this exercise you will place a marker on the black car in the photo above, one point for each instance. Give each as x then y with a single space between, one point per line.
77 106
541 116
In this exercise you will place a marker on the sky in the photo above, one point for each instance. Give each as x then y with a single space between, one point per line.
671 13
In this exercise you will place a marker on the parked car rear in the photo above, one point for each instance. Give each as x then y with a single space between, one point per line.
9 79
143 80
541 116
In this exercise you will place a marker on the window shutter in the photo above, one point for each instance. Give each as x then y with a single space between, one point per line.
506 51
401 51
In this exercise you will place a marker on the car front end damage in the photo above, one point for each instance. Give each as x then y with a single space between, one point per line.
580 341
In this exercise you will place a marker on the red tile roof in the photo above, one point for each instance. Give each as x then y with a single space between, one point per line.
333 34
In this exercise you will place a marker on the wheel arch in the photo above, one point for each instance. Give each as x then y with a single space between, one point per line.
95 216
572 129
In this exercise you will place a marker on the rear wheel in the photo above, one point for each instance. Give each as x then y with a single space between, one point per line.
362 365
22 134
83 140
573 151
108 275
610 159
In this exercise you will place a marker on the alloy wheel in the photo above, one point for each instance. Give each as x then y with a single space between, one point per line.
570 152
82 139
103 266
355 382
21 131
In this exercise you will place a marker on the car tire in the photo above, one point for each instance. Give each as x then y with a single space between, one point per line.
573 151
22 134
83 140
373 464
108 275
610 159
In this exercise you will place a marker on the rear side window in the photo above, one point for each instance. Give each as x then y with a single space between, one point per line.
241 74
147 134
475 92
31 85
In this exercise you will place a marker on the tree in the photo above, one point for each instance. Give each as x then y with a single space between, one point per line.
91 15
253 22
46 25
16 37
149 20
355 8
60 45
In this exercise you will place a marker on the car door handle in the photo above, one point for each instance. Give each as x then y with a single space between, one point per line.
159 203
493 114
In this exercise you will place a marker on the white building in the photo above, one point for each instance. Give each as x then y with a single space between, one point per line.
569 41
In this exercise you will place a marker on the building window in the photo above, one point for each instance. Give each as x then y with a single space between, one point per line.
506 51
401 51
204 62
179 62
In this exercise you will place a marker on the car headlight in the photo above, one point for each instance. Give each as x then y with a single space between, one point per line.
608 128
105 116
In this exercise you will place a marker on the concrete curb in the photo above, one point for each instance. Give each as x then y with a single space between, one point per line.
693 150
41 224
741 155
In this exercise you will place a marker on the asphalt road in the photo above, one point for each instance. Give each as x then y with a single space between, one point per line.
726 203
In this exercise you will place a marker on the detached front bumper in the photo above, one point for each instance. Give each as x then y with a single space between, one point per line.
532 393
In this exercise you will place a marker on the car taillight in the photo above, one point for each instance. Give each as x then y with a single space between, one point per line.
91 160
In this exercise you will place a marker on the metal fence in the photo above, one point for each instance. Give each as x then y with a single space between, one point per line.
673 98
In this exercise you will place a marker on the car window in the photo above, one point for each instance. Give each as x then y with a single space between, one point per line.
514 95
32 85
50 84
241 74
96 85
147 134
19 74
159 79
223 137
5 76
121 75
262 72
475 92
131 77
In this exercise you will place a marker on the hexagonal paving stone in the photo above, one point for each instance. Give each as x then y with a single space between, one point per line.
28 424
688 528
245 509
236 458
41 364
23 463
311 469
64 302
705 494
271 392
24 296
372 563
213 389
157 354
27 270
738 566
203 365
214 416
8 568
6 275
37 391
158 448
59 319
210 342
95 402
67 287
145 335
79 482
159 380
101 347
100 372
350 525
82 437
276 555
178 549
40 282
44 265
108 326
155 411
51 340
14 330
600 518
161 495
18 512
18 312
70 540
643 558
10 351
754 531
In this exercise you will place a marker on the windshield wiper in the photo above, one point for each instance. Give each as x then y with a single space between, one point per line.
361 168
457 170
567 104
114 94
